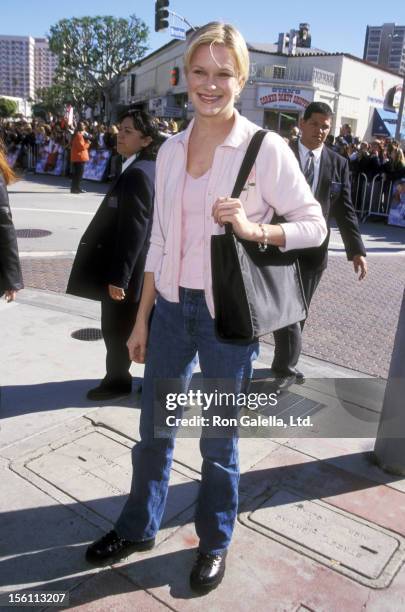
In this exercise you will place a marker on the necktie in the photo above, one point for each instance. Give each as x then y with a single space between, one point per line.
309 170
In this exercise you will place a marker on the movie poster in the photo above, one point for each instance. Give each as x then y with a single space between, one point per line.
50 159
96 167
397 209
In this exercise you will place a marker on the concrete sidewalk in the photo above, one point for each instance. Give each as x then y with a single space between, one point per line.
320 527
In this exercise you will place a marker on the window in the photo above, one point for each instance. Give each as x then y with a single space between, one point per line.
133 78
278 72
270 120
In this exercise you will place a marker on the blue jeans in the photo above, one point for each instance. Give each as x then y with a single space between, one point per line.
179 332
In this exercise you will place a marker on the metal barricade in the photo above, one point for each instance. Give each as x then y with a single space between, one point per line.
379 197
30 158
359 193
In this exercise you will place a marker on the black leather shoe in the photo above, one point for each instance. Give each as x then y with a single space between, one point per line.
106 392
282 381
111 547
299 377
208 571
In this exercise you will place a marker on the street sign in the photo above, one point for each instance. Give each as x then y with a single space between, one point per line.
173 111
176 32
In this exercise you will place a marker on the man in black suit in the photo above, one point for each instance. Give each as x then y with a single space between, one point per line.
328 176
109 265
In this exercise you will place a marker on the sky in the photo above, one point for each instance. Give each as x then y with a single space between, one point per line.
336 25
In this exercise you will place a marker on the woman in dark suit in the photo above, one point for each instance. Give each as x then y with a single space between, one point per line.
109 264
10 270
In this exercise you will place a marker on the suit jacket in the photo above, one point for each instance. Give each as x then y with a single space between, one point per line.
113 249
333 192
10 269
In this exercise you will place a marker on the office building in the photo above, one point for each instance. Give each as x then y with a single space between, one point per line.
25 64
385 46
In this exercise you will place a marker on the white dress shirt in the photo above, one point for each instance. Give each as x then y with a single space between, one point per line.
304 155
128 162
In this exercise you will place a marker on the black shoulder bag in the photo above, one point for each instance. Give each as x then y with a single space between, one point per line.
254 292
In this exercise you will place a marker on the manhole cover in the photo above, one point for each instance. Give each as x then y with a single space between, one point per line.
88 334
352 545
32 233
85 462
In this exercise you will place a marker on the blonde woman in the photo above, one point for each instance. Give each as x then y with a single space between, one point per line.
196 171
395 166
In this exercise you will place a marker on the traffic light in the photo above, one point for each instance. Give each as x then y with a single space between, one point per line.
174 76
161 15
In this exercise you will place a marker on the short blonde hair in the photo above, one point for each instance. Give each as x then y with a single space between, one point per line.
221 34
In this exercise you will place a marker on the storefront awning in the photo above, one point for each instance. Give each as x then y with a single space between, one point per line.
384 123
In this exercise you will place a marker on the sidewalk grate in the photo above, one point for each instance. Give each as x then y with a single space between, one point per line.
87 334
32 233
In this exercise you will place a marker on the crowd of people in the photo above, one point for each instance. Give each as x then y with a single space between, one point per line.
24 139
380 156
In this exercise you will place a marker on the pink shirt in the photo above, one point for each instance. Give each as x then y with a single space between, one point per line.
192 232
276 184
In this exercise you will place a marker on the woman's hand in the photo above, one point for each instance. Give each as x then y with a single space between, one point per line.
10 295
116 293
230 210
137 342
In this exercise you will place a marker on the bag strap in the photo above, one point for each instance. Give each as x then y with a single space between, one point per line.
248 161
247 164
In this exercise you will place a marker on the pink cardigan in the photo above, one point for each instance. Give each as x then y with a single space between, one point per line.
276 184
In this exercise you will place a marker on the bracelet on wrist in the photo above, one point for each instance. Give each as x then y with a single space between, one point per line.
265 242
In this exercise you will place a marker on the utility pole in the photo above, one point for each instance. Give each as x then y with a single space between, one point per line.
401 104
389 448
400 114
